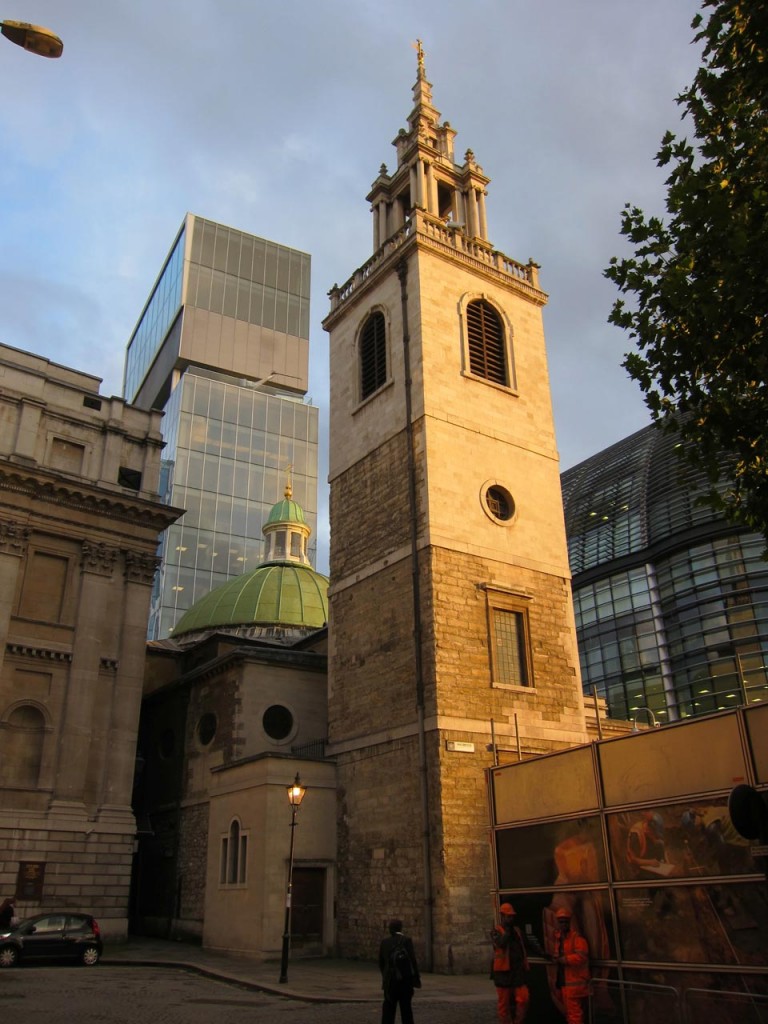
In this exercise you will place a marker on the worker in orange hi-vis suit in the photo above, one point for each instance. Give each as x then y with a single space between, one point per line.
571 956
509 968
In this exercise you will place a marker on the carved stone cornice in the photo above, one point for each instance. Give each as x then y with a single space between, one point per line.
98 558
13 538
26 651
79 496
140 567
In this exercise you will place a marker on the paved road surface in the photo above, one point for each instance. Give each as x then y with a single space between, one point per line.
137 995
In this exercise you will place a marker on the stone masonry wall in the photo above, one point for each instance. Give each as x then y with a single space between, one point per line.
89 872
381 867
191 868
376 664
380 860
371 500
549 711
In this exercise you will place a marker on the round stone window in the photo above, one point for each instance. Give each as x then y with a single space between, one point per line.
277 722
497 502
206 728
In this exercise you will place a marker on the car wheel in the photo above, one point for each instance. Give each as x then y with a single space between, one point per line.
9 956
90 956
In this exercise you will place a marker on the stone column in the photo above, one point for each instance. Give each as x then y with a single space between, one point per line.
481 207
421 186
376 211
383 229
432 206
140 571
472 227
96 583
457 207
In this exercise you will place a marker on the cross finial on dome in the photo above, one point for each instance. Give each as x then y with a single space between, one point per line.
288 492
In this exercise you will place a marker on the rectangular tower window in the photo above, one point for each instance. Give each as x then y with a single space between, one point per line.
509 640
509 648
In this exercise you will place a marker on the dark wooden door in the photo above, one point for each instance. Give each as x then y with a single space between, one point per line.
308 905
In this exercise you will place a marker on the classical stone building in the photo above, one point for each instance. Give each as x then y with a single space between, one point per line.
451 629
79 524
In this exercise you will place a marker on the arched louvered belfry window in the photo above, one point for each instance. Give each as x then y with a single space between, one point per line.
485 336
373 354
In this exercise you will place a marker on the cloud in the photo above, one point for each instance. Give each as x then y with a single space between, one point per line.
275 117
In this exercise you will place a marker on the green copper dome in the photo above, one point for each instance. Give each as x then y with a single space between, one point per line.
286 511
279 593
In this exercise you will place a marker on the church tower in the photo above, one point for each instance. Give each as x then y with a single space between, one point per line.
452 635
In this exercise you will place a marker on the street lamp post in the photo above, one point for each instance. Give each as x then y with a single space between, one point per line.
295 795
34 38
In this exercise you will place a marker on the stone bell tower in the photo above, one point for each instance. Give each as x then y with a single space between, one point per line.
452 635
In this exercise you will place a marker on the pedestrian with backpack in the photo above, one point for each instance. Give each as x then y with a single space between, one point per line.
399 974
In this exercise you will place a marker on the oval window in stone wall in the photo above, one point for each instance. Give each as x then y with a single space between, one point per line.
498 503
278 722
206 728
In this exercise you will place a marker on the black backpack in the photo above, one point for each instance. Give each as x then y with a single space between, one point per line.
400 964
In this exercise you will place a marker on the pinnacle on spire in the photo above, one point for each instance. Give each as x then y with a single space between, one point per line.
419 48
422 90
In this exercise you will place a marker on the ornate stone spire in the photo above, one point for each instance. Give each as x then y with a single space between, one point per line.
427 177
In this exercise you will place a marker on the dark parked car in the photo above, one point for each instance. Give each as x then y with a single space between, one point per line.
61 936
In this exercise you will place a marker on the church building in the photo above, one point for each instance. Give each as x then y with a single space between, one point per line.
451 640
234 712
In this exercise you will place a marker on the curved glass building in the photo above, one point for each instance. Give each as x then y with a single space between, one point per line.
671 601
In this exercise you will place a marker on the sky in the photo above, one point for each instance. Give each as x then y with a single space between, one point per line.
274 118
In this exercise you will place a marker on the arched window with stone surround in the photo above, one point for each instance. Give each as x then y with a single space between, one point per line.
21 746
373 354
486 343
234 855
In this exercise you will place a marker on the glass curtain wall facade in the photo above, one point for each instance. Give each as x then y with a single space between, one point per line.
231 449
671 602
222 347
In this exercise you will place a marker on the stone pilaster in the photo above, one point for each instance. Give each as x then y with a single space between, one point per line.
97 569
14 538
139 573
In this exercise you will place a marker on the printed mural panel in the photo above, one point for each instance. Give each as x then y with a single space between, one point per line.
553 853
713 924
546 1006
687 840
535 917
562 783
757 727
700 997
663 764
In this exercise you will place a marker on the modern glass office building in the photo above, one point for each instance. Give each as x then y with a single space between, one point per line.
671 601
222 346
